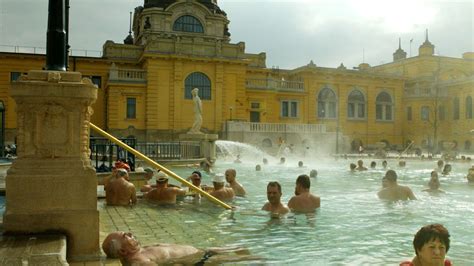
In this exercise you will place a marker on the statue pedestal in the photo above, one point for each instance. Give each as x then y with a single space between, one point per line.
208 143
51 186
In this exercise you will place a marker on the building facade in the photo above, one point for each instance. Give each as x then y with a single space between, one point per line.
145 88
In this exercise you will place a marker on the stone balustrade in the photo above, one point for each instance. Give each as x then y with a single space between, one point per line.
275 84
237 126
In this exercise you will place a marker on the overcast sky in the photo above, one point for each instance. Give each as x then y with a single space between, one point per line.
291 32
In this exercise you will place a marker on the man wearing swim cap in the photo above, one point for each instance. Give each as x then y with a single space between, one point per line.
164 194
220 191
119 191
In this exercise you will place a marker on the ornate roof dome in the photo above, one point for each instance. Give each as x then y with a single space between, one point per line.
210 4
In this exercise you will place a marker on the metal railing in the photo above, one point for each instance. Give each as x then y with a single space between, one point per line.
274 84
171 150
104 152
236 126
42 50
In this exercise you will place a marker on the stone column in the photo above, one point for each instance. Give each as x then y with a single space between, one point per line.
208 144
51 186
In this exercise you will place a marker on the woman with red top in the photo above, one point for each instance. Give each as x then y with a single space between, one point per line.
431 244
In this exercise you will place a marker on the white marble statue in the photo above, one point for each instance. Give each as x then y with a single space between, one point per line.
197 112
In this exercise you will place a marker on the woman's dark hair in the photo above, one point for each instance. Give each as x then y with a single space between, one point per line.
431 232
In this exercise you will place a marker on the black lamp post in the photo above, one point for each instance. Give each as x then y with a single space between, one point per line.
56 36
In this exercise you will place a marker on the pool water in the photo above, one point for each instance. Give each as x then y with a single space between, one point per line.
352 227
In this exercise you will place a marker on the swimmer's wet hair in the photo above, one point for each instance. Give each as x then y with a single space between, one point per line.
391 175
431 232
274 184
304 181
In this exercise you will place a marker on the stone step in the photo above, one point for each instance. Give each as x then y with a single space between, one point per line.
33 250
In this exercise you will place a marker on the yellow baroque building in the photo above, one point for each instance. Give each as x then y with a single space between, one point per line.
145 88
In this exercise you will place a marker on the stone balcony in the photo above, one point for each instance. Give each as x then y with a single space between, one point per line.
275 85
126 75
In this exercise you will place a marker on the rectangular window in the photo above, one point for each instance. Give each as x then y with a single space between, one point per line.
351 110
255 105
14 76
289 109
378 112
388 112
425 113
409 117
361 110
131 108
441 113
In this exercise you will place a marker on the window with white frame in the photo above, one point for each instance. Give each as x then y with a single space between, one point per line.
289 108
384 107
356 105
327 103
425 113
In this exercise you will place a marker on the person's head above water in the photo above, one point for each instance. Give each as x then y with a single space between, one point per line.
300 164
391 176
274 192
265 161
313 173
373 164
119 244
258 167
353 166
303 181
425 241
434 181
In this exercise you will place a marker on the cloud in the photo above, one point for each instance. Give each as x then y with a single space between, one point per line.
291 32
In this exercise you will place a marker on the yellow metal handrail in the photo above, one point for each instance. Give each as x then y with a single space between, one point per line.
159 166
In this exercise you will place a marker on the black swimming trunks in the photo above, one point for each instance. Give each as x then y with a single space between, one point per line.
205 257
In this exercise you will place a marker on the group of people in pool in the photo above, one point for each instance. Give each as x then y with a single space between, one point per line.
431 244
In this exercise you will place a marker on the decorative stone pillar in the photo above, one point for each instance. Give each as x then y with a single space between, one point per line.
208 144
51 186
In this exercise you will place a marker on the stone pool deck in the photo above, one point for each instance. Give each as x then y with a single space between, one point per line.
148 223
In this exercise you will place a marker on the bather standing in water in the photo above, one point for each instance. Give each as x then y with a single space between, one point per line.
220 191
230 175
434 184
304 201
447 169
124 246
393 191
274 204
470 175
164 194
353 167
120 192
360 166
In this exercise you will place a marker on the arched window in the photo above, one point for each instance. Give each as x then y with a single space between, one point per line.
356 105
327 103
468 107
383 107
188 24
200 81
456 108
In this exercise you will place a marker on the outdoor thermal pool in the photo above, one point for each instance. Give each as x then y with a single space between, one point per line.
352 227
